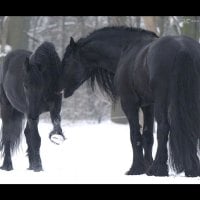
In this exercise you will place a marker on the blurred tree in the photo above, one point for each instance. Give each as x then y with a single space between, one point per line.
4 32
117 20
138 21
3 37
191 27
117 114
150 23
17 32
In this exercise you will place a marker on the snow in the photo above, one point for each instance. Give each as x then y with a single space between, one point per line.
7 49
92 154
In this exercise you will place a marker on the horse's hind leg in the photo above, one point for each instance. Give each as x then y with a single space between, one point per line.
11 130
147 136
131 110
159 166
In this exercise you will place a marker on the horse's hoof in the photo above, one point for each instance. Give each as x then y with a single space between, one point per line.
192 173
35 169
57 138
38 169
158 170
35 166
136 170
7 167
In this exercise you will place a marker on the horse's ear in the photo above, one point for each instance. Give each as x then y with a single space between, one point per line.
26 64
72 42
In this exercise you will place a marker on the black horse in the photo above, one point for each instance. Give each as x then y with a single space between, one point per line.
158 75
28 87
96 57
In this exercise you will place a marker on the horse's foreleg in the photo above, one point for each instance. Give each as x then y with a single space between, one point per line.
34 142
56 135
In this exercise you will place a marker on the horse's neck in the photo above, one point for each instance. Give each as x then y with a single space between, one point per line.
103 56
138 45
107 55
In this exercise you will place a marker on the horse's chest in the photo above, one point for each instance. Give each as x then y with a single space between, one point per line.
46 104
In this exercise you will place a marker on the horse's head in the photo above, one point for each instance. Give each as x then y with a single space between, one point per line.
75 71
42 71
33 87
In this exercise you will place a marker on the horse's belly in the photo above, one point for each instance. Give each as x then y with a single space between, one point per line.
142 88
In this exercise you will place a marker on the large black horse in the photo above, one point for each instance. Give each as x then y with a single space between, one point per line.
28 87
158 75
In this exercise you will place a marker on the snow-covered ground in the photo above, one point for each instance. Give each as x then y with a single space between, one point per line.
92 153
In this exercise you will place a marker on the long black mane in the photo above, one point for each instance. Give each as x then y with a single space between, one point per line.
105 80
47 57
112 31
104 77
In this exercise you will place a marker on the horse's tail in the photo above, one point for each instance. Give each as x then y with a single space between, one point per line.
184 114
11 127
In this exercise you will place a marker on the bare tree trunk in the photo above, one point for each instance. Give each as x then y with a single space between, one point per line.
96 22
150 23
161 24
191 27
4 33
17 28
138 21
34 32
117 114
81 21
62 35
117 20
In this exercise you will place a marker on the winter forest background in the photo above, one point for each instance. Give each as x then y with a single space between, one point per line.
28 32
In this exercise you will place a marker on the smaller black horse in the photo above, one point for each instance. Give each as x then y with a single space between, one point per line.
28 87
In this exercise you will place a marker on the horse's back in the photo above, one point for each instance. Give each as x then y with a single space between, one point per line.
163 53
15 59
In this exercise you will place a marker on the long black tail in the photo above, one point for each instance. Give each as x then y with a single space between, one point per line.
12 125
184 115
